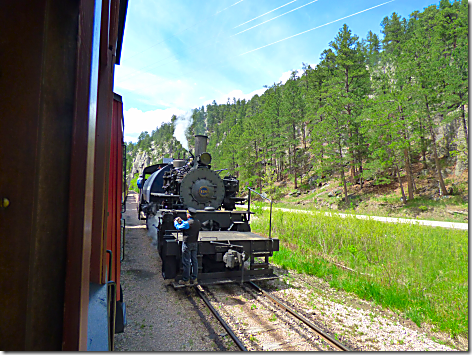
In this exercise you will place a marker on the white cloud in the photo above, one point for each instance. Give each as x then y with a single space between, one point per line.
286 75
155 90
137 121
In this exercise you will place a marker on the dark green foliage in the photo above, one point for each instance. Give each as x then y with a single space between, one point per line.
368 109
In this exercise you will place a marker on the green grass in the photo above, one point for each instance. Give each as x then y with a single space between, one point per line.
422 204
132 184
427 202
421 271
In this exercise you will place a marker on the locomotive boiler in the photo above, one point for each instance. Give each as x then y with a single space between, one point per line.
227 249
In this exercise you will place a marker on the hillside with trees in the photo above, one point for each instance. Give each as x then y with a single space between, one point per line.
372 110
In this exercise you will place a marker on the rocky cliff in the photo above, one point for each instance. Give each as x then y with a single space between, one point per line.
154 155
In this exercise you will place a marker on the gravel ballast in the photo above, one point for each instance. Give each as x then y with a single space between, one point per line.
159 318
359 324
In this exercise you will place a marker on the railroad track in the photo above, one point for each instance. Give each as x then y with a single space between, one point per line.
258 321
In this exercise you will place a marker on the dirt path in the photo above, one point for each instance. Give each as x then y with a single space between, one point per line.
159 318
454 225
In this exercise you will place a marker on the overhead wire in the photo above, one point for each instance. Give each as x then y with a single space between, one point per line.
274 18
163 59
255 18
229 7
328 23
225 62
201 48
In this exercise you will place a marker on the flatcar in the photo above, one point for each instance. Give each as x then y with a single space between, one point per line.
61 175
227 249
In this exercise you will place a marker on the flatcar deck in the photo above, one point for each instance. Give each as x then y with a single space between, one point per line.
229 235
206 236
162 211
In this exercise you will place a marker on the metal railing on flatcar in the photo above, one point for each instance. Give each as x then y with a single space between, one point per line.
249 207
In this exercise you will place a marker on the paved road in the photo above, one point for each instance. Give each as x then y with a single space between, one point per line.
454 225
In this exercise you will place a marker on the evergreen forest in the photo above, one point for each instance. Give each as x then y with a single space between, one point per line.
370 108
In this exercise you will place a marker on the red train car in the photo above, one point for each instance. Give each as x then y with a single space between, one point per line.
61 136
116 206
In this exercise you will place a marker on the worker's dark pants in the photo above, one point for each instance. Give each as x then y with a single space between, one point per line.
189 260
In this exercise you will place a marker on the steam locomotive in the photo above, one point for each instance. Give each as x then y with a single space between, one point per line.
227 249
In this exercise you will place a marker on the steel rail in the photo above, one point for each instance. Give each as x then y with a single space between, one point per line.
329 339
225 325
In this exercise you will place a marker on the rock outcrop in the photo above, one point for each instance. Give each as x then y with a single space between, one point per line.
152 156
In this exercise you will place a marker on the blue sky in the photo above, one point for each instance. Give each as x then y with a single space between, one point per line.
181 54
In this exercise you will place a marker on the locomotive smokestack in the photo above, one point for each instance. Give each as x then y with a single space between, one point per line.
200 144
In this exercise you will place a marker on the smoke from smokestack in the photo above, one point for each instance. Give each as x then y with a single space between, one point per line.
181 124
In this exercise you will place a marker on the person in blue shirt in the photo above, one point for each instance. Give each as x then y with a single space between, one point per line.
191 229
139 183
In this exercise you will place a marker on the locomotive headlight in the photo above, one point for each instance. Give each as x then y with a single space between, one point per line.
204 158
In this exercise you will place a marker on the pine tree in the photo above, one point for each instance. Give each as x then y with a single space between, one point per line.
343 92
391 99
272 116
423 53
292 114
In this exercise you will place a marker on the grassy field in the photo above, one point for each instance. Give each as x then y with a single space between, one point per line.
417 270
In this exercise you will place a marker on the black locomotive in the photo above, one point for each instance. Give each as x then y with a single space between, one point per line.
227 249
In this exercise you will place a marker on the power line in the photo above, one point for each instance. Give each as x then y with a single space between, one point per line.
274 18
163 59
229 7
255 18
298 34
153 64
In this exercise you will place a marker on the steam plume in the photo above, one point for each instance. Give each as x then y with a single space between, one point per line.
181 125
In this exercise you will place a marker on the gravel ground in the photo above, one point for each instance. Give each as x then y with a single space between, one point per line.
163 319
159 318
359 324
